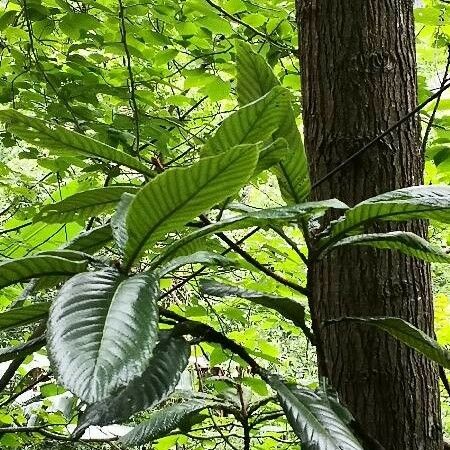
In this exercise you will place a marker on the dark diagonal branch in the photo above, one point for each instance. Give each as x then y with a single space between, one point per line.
369 145
131 82
436 105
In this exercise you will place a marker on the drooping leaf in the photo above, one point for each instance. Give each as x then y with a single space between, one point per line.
102 330
162 422
179 195
254 77
272 155
205 258
68 253
408 243
257 218
417 202
312 419
21 269
83 204
119 221
287 307
200 245
292 172
22 316
255 122
87 242
92 240
59 139
170 358
408 334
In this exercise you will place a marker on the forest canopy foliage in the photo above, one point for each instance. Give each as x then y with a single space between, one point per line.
156 227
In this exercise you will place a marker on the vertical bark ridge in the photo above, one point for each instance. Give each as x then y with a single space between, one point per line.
358 78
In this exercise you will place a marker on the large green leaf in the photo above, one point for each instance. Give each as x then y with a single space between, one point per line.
179 195
119 221
255 122
62 140
293 172
417 202
22 316
162 422
202 257
313 419
92 240
83 204
408 334
408 243
255 78
21 269
102 330
257 218
170 358
287 307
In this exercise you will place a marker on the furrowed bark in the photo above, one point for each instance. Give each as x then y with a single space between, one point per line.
358 78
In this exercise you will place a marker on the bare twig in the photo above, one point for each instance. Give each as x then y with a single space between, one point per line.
15 364
249 27
436 105
202 269
381 136
254 262
42 430
41 67
444 380
291 243
131 82
16 228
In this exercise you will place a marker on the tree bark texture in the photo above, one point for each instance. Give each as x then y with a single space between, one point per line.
358 78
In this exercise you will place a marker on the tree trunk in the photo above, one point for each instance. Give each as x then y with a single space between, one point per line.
358 78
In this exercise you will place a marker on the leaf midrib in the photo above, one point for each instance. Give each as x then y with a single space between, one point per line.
267 103
172 212
138 166
55 212
337 237
44 273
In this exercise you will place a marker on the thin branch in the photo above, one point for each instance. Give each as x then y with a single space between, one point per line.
436 105
40 379
202 269
381 136
7 209
254 262
15 364
444 380
265 418
246 25
208 334
218 429
131 82
196 58
244 419
291 243
42 430
41 67
247 438
16 228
